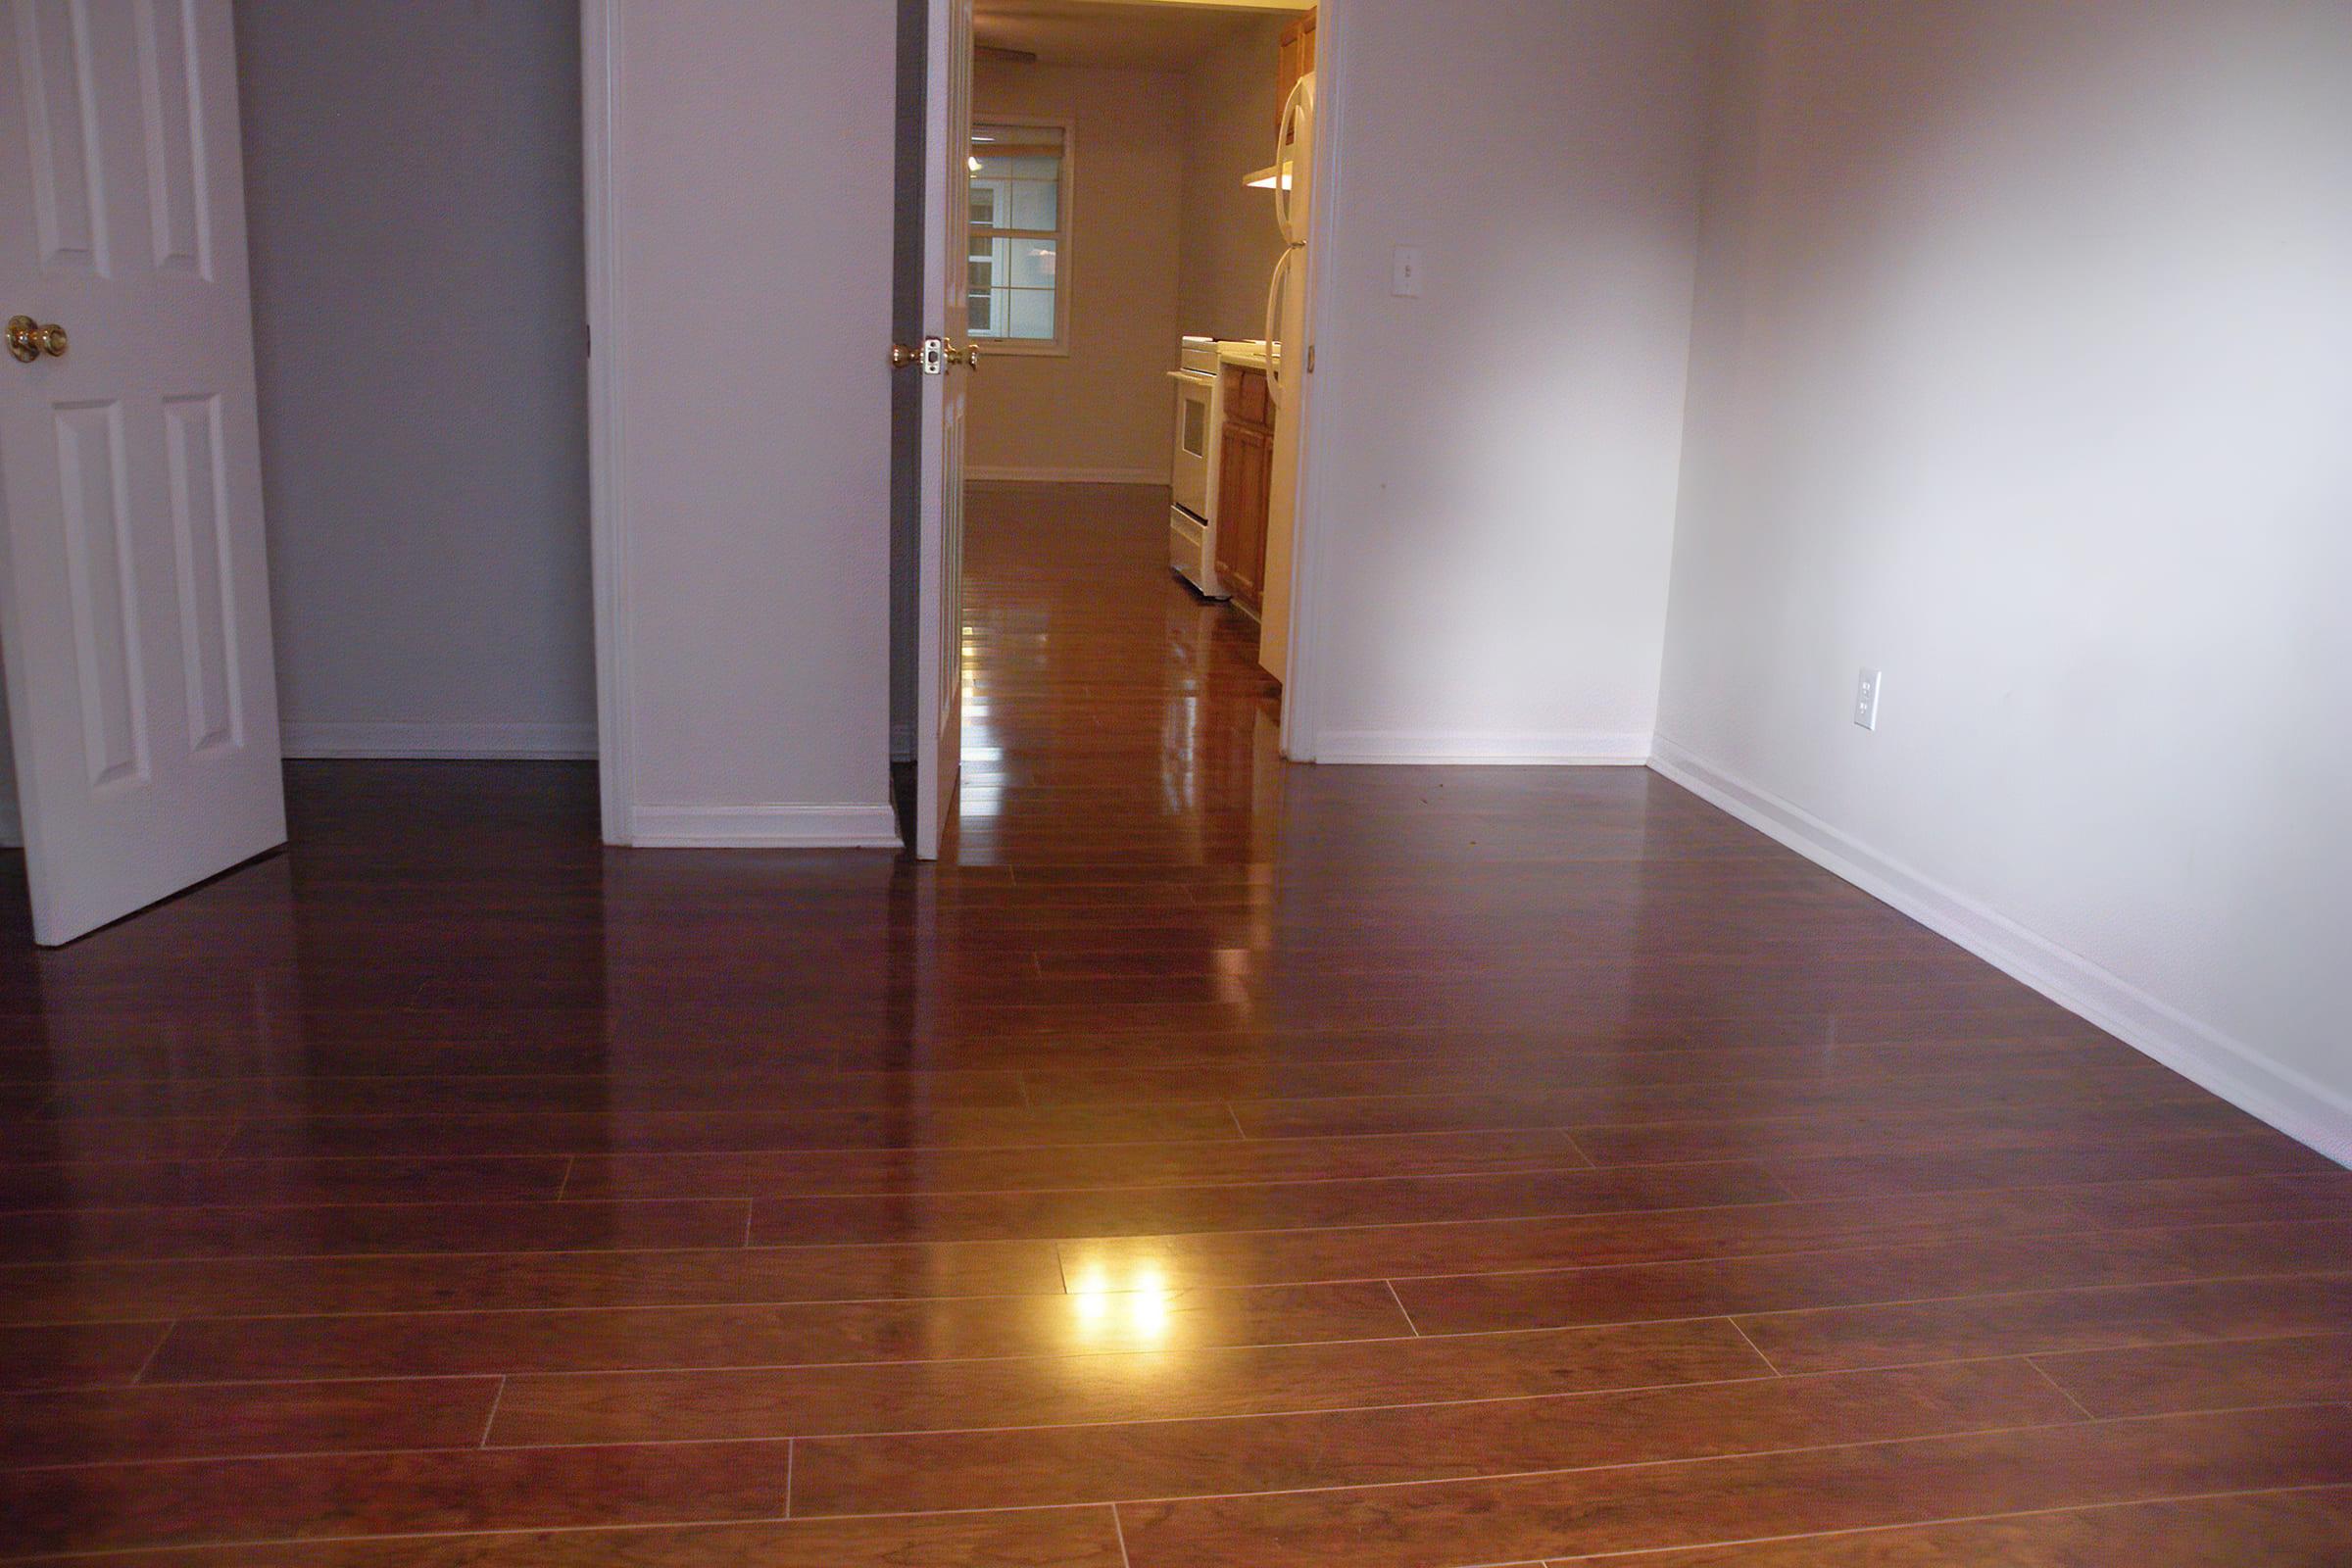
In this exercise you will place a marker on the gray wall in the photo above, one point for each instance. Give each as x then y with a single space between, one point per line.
1230 244
2025 345
412 183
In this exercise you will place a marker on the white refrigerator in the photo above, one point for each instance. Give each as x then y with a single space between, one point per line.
1289 362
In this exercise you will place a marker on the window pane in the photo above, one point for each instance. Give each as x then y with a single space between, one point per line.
1033 262
1036 204
1032 313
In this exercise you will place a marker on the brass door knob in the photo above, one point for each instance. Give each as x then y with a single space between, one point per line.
28 339
934 355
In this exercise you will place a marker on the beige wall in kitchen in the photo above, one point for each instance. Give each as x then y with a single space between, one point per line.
1102 411
1230 244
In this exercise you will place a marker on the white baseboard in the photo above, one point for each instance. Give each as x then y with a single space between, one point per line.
1458 748
987 474
788 827
307 739
2290 1101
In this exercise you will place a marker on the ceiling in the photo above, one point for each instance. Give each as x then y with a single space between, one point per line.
1166 35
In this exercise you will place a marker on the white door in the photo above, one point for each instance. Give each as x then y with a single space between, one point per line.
134 607
946 247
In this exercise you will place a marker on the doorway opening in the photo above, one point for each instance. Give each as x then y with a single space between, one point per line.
1133 271
308 477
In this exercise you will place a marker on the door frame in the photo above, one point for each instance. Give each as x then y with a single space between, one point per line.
1305 682
601 88
608 515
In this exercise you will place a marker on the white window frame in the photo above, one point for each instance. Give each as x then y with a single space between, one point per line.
1065 239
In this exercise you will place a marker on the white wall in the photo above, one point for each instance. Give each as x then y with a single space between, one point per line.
1230 244
1497 461
413 182
750 195
2024 375
1104 410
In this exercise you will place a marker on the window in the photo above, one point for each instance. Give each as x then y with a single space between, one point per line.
1020 216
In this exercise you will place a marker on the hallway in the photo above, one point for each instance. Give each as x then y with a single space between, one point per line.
1213 1165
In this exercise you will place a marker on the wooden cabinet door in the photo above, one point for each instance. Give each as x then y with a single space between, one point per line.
1246 487
1296 58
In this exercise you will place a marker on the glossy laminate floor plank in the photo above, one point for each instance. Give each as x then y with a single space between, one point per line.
117 1425
2308 1369
198 1502
1524 1072
76 1355
306 1231
1565 1514
1060 1538
2125 1160
2028 1321
723 1131
452 1191
1986 1129
1153 1211
1497 1257
1136 1386
1415 1443
222 1288
2303 1529
1470 1303
154 1183
1125 1166
617 1339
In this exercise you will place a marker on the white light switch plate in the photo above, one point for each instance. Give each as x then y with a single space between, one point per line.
1404 274
1866 698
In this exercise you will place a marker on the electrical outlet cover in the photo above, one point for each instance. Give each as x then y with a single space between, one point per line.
1867 691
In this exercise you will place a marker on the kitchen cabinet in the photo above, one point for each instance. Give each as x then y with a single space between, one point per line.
1245 484
1297 56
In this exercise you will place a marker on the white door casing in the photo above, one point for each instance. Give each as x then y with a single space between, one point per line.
134 611
1288 323
947 246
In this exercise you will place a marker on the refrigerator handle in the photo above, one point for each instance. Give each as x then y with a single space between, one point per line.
1301 99
1274 353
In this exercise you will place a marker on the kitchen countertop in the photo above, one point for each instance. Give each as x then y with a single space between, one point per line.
1249 351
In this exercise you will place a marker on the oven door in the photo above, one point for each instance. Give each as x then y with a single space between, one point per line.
1187 473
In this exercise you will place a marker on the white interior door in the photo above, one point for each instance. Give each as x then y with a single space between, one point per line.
134 607
946 250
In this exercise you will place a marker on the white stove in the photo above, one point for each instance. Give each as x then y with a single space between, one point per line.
1192 471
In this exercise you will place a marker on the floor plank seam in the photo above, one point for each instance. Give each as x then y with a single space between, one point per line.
1401 1307
1119 1529
490 1420
1741 1330
139 1379
2064 1392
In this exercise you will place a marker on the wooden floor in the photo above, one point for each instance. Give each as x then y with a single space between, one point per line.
1217 1163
